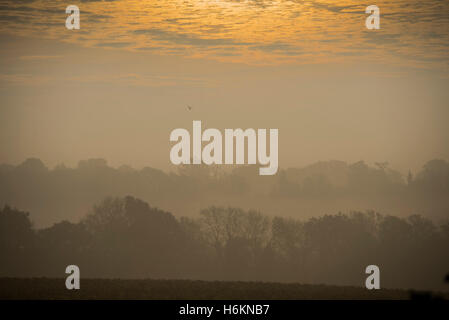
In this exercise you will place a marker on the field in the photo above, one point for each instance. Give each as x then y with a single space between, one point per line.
45 288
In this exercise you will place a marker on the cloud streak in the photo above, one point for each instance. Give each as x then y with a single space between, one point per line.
414 32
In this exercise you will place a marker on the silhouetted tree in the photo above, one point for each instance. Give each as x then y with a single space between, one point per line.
17 241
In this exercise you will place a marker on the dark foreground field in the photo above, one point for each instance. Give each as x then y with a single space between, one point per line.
43 288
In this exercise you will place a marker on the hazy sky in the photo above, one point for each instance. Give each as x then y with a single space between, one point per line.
119 85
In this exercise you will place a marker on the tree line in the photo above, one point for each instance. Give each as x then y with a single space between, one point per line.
124 237
55 194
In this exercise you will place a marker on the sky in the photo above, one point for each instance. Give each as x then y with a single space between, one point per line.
117 87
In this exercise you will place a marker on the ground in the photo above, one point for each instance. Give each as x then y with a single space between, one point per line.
45 288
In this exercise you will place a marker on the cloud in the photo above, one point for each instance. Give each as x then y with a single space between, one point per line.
334 8
307 30
23 79
39 57
138 80
187 39
113 44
